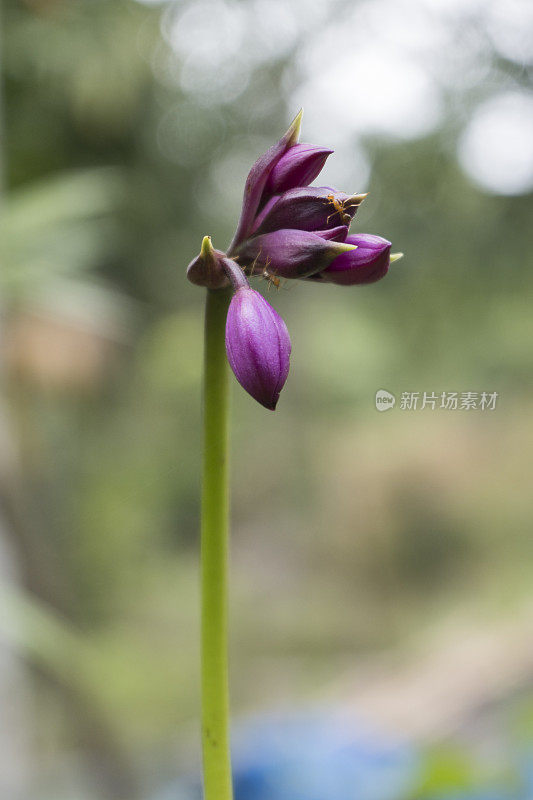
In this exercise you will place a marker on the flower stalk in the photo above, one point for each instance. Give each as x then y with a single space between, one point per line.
287 230
214 553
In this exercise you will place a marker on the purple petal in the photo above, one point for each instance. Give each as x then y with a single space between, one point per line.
257 178
307 208
367 264
289 253
299 166
265 211
258 346
337 234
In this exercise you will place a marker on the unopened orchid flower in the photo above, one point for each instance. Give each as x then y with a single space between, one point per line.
287 229
291 230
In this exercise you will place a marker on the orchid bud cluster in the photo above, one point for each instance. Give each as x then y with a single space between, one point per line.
287 229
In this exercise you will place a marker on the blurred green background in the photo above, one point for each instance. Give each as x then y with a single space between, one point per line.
374 555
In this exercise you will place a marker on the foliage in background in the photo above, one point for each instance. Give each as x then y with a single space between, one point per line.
352 529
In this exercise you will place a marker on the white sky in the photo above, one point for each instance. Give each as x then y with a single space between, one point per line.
496 149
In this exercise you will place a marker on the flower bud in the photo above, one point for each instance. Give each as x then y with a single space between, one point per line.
258 346
308 208
299 166
258 176
367 264
207 268
289 253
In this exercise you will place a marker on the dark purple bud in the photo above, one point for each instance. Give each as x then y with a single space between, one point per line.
207 268
289 253
257 178
299 166
367 264
258 346
308 208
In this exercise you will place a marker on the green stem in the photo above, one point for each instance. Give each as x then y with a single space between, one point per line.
215 529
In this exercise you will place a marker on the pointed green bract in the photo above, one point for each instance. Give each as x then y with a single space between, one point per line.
293 134
343 247
207 250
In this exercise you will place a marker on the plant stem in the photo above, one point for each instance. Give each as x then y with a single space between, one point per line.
214 554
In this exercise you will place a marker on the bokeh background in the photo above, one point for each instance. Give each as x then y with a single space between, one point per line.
381 562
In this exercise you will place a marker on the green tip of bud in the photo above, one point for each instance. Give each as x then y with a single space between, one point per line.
395 257
336 249
293 134
207 248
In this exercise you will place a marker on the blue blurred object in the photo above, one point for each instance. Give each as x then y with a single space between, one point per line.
326 756
313 757
318 757
526 770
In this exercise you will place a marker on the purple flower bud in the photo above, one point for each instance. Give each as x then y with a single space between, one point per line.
308 208
299 166
367 264
207 268
258 346
289 253
258 176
